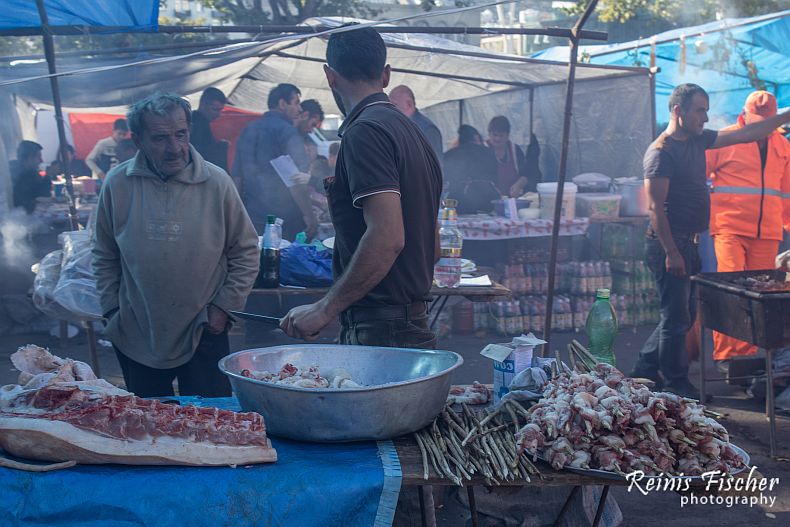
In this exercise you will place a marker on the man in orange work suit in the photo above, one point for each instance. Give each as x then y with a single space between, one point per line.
750 205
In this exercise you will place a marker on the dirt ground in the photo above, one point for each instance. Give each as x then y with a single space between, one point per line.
744 418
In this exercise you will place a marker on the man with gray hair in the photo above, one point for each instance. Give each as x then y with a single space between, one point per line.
174 251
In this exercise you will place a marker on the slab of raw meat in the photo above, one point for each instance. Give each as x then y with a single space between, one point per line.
65 413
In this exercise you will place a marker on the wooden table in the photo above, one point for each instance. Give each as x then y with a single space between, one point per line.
412 475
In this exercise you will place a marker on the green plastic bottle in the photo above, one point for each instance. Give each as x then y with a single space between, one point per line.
601 328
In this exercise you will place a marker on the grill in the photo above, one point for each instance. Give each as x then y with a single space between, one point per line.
761 318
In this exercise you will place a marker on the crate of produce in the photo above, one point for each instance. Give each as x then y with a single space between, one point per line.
598 205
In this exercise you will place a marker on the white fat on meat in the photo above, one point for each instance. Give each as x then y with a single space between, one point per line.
63 412
62 422
47 440
32 359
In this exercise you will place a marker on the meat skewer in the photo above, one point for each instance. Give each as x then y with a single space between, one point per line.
604 420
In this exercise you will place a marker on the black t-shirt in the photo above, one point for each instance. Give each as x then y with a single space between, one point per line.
683 162
202 138
382 150
29 185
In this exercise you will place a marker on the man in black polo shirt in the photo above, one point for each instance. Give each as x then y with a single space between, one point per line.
679 203
384 199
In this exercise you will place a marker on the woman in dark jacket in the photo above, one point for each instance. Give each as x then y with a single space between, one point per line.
516 172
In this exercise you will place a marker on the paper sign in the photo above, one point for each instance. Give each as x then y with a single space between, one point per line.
478 281
286 169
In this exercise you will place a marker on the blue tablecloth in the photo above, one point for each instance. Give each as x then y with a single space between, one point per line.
310 484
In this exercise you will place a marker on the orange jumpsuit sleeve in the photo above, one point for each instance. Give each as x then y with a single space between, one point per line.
786 186
711 163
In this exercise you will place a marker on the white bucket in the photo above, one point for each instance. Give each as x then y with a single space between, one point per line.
548 196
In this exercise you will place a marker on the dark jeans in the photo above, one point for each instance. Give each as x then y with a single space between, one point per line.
199 376
665 349
388 333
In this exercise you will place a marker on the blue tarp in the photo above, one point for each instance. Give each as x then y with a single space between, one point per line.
715 59
140 15
353 484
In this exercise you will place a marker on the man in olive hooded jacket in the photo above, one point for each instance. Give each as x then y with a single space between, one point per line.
174 252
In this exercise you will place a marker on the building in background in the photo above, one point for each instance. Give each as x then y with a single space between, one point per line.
190 10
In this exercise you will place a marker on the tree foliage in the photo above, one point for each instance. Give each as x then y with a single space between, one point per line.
676 10
286 12
23 46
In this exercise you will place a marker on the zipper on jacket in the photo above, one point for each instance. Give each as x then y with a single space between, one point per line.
762 186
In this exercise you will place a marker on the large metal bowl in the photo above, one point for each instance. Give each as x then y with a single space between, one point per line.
405 389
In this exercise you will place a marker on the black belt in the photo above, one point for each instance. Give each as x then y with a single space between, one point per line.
355 315
685 236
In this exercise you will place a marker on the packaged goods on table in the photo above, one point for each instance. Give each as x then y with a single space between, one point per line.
598 205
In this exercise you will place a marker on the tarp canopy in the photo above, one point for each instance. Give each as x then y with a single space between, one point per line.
101 15
717 57
451 81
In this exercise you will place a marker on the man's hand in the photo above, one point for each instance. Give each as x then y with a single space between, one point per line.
783 261
310 226
517 189
306 322
217 320
675 264
300 178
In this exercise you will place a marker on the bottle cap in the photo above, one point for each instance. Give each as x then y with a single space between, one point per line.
270 219
602 293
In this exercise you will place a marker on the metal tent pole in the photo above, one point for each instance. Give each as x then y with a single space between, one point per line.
308 30
566 131
49 53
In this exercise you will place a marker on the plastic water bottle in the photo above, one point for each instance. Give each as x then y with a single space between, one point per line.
447 271
269 272
601 328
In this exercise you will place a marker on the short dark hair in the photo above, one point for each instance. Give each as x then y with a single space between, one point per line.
357 55
313 108
467 134
212 95
26 149
683 94
281 92
157 104
120 124
499 124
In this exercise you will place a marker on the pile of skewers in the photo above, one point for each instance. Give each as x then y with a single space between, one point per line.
460 445
595 417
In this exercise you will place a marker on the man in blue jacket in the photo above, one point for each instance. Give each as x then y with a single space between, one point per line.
262 190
